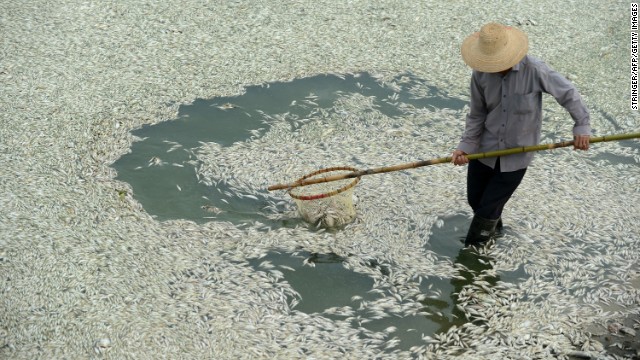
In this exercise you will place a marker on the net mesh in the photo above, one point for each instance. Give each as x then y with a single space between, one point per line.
328 204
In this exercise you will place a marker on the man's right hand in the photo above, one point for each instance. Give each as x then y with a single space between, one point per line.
458 157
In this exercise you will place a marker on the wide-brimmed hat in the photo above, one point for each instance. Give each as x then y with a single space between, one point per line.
494 48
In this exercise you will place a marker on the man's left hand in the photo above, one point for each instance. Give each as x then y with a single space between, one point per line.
581 142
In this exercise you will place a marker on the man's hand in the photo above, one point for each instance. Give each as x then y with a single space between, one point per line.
458 157
581 142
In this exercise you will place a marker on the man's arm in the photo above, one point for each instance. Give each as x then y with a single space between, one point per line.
475 119
568 96
474 125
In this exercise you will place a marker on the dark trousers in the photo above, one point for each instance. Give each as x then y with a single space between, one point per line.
488 190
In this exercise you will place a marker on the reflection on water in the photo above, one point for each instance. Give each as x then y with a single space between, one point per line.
471 264
447 240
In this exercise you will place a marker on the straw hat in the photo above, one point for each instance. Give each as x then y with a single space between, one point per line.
495 48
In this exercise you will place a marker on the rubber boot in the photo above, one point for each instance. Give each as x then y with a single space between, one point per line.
481 230
499 225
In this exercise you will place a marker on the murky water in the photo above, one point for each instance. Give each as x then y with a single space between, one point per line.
327 287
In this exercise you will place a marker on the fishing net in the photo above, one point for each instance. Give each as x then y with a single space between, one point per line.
325 197
328 204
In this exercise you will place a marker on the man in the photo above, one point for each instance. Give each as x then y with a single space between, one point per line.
506 112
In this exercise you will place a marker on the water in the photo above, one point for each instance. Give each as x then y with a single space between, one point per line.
323 282
328 284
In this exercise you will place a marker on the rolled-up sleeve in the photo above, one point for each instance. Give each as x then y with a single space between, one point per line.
470 141
568 97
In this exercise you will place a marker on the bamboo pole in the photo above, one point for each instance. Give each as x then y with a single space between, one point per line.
421 163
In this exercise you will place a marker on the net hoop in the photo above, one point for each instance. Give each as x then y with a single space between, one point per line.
329 193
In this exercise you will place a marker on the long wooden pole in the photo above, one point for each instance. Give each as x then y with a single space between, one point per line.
421 163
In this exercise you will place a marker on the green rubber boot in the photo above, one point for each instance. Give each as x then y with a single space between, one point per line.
480 231
499 225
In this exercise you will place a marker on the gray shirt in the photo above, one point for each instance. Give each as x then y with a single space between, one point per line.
506 111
